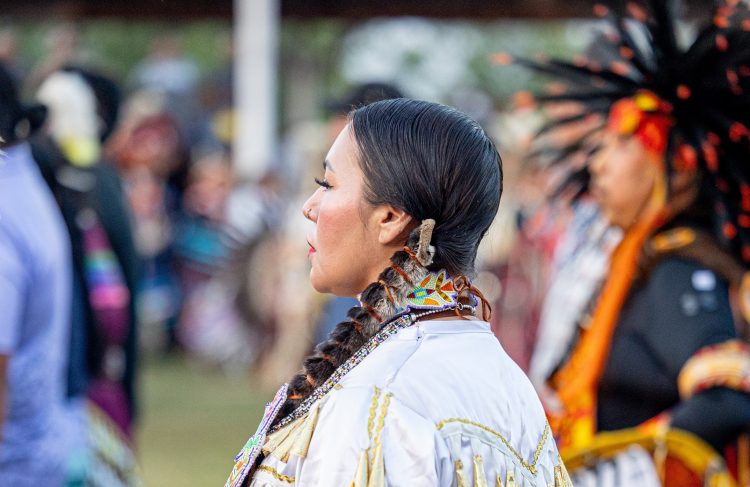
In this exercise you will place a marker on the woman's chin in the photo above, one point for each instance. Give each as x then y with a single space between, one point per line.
318 283
324 286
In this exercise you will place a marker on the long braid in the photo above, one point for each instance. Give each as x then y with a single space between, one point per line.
380 302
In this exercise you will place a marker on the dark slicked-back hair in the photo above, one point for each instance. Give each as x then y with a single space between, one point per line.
433 162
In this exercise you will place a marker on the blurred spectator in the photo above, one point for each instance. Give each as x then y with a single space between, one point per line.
217 90
201 253
149 153
83 109
41 432
198 234
72 122
221 248
524 278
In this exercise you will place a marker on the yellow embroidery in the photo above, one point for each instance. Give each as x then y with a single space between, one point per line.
479 479
460 477
498 481
381 421
373 455
530 466
276 475
371 418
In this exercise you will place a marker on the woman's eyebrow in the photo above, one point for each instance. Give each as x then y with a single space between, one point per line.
327 165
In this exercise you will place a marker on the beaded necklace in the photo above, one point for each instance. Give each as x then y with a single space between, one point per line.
397 324
245 459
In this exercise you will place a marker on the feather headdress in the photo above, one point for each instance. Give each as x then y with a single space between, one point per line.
697 96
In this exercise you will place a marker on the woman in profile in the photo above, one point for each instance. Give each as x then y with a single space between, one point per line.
413 389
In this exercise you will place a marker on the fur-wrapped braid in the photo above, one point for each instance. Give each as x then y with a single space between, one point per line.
380 302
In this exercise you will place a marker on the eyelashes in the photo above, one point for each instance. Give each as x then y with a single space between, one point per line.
323 183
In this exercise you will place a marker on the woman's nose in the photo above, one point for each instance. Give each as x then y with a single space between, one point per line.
309 208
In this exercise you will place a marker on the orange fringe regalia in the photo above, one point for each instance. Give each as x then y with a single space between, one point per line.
646 117
577 381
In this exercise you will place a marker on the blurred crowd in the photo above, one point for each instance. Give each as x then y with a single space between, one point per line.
196 260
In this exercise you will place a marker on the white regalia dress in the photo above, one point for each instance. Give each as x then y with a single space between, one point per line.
439 403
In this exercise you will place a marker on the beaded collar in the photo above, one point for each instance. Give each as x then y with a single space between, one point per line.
436 293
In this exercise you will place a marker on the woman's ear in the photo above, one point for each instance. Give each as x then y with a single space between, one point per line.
394 225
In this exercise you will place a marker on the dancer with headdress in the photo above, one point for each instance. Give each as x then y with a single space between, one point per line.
657 386
413 389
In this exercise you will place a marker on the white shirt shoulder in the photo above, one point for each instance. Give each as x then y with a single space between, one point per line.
440 403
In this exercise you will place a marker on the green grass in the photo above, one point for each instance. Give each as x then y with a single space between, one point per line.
193 421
